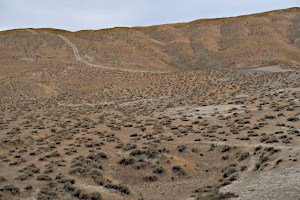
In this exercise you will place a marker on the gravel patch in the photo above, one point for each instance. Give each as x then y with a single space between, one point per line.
278 184
193 112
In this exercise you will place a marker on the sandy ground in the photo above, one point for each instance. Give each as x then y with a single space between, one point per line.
193 112
270 69
86 104
94 187
297 42
278 184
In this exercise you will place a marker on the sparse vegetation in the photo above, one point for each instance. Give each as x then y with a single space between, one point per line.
70 130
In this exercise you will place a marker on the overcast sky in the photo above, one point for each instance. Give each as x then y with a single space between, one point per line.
76 15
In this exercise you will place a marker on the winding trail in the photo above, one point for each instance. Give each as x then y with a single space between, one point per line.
31 31
80 59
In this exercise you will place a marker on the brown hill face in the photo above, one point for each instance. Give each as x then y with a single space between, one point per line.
38 63
173 112
256 40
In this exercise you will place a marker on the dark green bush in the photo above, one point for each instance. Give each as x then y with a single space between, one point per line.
158 170
44 177
12 189
178 170
126 161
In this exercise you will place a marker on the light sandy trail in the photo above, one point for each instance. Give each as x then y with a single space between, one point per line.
79 58
297 42
239 144
97 188
86 104
31 31
270 69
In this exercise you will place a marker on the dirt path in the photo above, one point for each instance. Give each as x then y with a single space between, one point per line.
241 144
79 58
97 188
270 69
86 104
31 31
297 42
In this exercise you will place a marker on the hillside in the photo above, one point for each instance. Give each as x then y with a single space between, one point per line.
259 39
193 111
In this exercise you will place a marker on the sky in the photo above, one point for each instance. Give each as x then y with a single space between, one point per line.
74 15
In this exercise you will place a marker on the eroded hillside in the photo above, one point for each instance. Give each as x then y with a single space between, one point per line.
206 109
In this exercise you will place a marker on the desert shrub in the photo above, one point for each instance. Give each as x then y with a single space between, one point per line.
79 163
258 148
278 161
293 131
55 154
68 187
35 170
28 187
140 166
78 170
225 148
204 189
44 177
66 180
122 188
77 193
95 196
2 178
292 119
102 155
244 156
178 170
263 159
119 146
181 148
98 177
48 170
269 117
84 196
136 152
216 195
126 161
271 150
268 139
158 170
51 184
286 140
243 167
229 171
233 177
22 177
134 135
257 166
12 189
150 178
244 138
226 182
99 180
129 147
